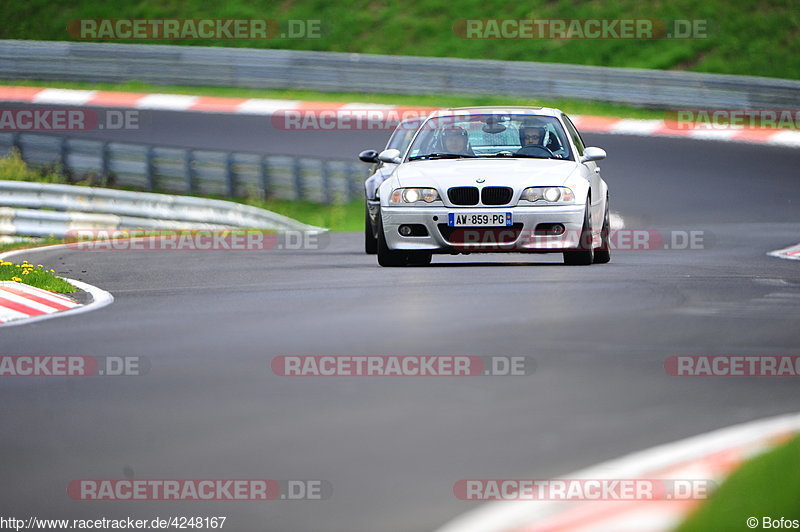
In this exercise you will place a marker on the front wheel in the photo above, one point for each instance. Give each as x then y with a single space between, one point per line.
370 242
392 259
584 254
602 255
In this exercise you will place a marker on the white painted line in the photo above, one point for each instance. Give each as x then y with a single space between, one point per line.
791 253
713 134
637 127
100 298
367 106
506 515
167 102
785 138
260 106
63 96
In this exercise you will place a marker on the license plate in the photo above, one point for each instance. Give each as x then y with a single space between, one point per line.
477 219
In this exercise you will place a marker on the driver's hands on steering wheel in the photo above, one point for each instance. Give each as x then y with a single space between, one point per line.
526 150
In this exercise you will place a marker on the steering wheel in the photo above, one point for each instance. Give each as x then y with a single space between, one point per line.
526 150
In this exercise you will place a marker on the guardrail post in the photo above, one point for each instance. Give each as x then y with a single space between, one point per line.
230 175
105 163
355 180
189 167
16 143
265 176
298 178
327 193
64 155
150 163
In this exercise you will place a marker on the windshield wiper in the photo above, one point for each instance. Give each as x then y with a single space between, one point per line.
529 156
439 156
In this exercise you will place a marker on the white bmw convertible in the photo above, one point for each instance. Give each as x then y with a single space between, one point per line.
494 180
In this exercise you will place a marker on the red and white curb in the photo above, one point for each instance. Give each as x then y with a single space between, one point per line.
791 253
711 456
268 107
19 301
22 304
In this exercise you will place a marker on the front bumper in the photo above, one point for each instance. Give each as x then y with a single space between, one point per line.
520 237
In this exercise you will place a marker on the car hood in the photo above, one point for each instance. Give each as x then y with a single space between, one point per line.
515 173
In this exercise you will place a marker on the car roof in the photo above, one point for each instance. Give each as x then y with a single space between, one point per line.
510 109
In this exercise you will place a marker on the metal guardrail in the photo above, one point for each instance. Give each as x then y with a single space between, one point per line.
192 171
42 209
331 71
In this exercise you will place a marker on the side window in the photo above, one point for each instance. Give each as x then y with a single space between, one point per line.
402 136
573 132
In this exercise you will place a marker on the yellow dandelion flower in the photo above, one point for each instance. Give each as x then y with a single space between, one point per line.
17 279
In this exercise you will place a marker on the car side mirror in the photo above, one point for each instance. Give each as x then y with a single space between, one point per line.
368 156
390 156
593 154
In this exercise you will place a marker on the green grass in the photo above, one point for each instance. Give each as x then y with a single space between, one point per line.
767 485
345 217
34 275
13 168
32 243
755 37
570 106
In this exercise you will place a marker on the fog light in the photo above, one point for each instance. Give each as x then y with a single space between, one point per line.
558 229
405 230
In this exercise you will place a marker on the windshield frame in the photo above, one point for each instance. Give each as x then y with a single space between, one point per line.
555 121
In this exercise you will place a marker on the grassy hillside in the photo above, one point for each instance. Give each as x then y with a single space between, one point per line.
755 37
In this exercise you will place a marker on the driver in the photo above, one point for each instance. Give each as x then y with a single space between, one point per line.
455 140
531 136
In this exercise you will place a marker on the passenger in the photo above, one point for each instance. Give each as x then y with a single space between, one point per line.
456 140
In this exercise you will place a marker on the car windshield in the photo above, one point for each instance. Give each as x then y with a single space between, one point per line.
472 135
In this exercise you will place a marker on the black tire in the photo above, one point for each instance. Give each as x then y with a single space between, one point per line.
602 255
419 258
387 257
584 254
370 242
392 259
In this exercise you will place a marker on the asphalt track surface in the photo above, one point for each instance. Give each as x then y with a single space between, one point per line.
210 322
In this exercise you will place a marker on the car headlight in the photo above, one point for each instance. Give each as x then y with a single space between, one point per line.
402 196
548 195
